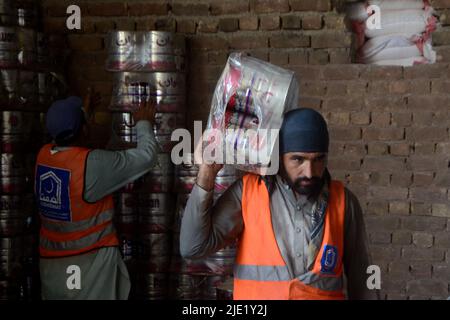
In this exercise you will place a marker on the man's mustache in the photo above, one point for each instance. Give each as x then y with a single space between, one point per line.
313 180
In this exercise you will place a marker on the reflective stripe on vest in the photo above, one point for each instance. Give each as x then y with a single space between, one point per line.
78 225
78 244
83 226
261 272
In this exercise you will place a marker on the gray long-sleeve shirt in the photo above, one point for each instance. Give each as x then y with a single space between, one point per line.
206 228
103 273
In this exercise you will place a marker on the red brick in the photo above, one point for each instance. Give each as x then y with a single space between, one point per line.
313 88
415 254
384 103
440 86
278 58
340 72
381 119
335 21
430 102
268 23
289 41
166 24
58 26
441 37
310 102
269 6
441 271
291 22
421 269
349 163
441 4
427 194
85 42
382 223
307 72
399 86
427 134
420 209
190 9
387 193
401 237
378 87
420 86
384 134
340 56
186 26
345 134
360 118
208 26
336 118
377 208
422 179
356 149
209 42
423 148
312 22
380 179
399 207
384 252
400 149
426 71
401 119
248 42
229 7
147 8
377 148
107 9
373 72
425 163
423 240
341 104
429 224
371 163
380 238
298 57
442 240
130 25
103 26
310 5
331 39
358 177
401 179
249 23
228 24
318 57
440 210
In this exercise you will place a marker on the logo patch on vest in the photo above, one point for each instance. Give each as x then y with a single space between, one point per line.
52 191
329 259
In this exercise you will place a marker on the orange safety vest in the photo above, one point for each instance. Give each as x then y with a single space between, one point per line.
260 272
69 224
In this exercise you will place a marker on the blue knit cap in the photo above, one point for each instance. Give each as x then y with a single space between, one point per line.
65 118
303 130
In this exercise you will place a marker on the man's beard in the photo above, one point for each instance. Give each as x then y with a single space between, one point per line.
312 189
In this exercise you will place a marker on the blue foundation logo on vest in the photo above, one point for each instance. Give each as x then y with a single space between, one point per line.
329 259
52 191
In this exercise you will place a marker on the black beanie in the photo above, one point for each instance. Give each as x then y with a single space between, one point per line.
303 130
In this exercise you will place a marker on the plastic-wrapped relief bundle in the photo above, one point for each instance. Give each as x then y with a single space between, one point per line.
247 109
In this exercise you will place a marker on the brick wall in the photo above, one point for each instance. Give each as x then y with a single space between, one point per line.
389 125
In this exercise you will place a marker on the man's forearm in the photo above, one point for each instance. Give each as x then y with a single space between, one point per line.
108 171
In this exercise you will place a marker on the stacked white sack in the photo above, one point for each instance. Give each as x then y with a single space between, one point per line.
405 35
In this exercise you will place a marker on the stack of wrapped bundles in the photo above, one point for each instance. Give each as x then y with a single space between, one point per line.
251 96
404 38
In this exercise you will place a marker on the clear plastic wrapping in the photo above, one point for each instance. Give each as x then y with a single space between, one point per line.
247 110
145 51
